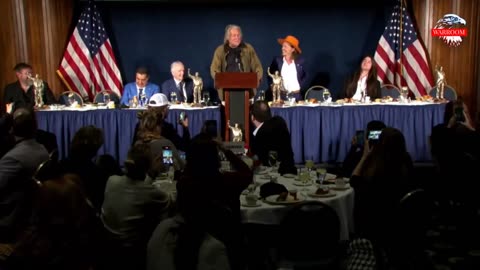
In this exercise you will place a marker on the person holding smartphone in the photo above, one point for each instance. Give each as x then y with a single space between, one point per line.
358 142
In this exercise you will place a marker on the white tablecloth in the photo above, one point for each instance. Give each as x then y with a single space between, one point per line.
270 214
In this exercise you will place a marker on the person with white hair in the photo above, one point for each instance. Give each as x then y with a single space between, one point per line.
234 55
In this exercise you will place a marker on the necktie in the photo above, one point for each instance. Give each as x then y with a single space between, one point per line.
180 91
140 92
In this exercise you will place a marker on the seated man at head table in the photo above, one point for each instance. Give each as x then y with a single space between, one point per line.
159 103
271 134
178 86
141 87
21 93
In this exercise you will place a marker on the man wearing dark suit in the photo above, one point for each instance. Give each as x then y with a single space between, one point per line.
21 93
271 134
140 87
183 88
17 167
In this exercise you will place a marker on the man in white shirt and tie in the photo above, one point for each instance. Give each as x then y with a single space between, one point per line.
140 87
178 89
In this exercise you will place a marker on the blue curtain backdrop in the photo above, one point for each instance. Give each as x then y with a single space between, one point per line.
333 36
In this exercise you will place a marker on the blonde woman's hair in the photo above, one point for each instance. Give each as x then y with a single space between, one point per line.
227 31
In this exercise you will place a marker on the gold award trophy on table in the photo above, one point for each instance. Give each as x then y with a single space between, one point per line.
38 90
197 87
440 81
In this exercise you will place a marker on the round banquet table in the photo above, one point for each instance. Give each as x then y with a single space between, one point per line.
272 214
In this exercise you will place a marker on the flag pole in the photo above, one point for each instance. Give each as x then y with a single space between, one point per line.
401 42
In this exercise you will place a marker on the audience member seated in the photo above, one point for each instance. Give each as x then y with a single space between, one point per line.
159 104
382 177
17 167
47 139
363 82
356 150
109 165
7 140
271 134
63 233
217 193
84 147
455 149
150 133
132 208
141 87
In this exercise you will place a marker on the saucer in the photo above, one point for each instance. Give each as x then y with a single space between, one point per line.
340 188
326 195
289 175
257 204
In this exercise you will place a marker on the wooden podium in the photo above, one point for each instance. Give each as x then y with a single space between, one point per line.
235 84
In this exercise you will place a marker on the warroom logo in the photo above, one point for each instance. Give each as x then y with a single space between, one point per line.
450 29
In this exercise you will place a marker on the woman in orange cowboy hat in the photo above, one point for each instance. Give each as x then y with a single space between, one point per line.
290 65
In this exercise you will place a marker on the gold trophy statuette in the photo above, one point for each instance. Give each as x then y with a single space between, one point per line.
440 81
197 87
38 90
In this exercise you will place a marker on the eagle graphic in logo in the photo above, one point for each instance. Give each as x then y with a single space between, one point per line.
450 21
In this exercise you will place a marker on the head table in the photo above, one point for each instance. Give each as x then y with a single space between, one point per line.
324 133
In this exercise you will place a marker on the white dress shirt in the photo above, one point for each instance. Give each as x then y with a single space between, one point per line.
256 130
361 87
289 76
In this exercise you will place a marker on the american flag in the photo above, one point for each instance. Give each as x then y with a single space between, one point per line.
410 67
88 65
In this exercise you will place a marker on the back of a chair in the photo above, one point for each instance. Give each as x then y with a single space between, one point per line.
449 93
313 222
64 98
47 170
413 217
100 97
315 92
390 90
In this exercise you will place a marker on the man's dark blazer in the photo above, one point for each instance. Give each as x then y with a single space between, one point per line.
274 135
170 86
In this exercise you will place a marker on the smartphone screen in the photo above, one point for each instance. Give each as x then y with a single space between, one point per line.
167 156
360 137
374 135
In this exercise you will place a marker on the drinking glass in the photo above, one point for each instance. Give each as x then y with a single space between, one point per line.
309 164
304 177
71 99
206 97
321 175
173 97
261 95
272 158
143 100
326 96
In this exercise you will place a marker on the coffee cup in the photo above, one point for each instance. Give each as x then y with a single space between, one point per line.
293 193
340 183
251 199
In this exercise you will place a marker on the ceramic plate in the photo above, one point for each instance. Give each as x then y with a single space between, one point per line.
273 200
326 195
340 188
252 205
